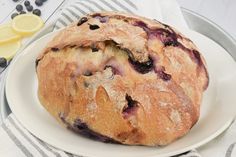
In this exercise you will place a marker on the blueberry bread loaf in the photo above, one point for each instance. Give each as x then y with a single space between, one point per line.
122 78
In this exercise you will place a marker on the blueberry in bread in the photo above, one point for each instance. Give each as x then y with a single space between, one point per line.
122 78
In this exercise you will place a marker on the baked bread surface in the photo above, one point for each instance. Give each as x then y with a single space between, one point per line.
122 78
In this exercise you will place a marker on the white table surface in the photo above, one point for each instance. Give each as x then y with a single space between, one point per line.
221 12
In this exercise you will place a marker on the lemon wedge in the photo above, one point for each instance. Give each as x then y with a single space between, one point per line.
7 34
8 50
27 24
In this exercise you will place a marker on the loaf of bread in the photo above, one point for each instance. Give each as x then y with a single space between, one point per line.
122 78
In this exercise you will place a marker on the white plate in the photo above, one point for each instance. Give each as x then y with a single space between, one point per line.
217 111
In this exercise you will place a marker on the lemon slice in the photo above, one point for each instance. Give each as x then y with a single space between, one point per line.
8 50
26 24
7 34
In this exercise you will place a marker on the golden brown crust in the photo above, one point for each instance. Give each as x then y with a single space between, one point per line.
123 77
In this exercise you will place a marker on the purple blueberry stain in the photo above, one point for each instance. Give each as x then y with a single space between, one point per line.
194 54
142 67
93 27
164 76
131 108
129 53
171 43
102 19
86 84
83 129
94 48
142 25
62 117
72 46
82 20
55 49
80 125
36 62
168 38
87 73
197 57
